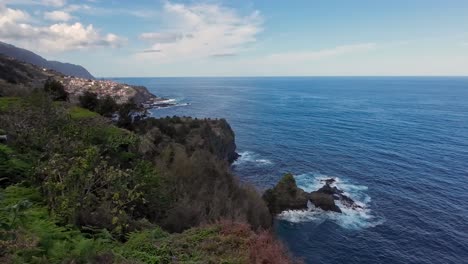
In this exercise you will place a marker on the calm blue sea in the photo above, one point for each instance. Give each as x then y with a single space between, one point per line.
399 146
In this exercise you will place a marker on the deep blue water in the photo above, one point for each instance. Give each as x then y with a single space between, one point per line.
397 145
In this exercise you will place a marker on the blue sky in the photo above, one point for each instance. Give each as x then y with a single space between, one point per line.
244 38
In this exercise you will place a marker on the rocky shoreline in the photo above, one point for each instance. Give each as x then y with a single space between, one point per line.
287 196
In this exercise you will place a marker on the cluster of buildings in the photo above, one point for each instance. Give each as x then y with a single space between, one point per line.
77 86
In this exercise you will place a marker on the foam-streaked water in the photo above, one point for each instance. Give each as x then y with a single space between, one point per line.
399 146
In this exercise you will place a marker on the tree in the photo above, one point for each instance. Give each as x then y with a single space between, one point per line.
89 100
56 90
107 106
126 113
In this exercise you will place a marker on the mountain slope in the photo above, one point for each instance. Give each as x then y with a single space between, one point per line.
33 58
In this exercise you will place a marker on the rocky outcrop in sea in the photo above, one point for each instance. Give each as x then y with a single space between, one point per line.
287 196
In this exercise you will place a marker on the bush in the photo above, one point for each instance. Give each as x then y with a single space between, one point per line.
30 235
89 100
207 192
56 90
107 106
126 114
264 248
13 168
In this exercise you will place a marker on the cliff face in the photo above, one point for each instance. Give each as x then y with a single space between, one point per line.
194 156
142 95
215 136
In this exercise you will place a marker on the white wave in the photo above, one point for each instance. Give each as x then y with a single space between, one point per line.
248 157
349 218
167 101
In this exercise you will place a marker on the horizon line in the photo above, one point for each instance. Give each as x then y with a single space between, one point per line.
293 76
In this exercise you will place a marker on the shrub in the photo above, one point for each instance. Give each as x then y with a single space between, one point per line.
13 167
89 100
56 90
35 237
206 192
126 113
85 182
264 248
107 106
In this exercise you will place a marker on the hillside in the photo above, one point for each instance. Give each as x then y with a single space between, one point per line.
18 77
76 188
31 57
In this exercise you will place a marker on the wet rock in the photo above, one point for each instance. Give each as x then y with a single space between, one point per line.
287 196
324 201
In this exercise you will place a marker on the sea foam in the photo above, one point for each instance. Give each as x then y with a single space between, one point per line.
249 158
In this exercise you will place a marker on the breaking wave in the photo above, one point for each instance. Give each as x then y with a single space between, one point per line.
168 103
350 218
248 157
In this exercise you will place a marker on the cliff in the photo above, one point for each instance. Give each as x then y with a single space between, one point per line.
142 95
79 189
212 135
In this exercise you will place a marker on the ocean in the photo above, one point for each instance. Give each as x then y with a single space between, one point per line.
397 145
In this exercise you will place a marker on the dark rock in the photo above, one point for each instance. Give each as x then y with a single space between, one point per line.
337 194
286 196
324 201
328 181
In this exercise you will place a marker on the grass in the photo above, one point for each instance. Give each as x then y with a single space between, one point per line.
81 113
6 102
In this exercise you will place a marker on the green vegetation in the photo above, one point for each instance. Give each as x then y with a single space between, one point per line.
79 113
13 167
56 90
78 189
105 106
7 102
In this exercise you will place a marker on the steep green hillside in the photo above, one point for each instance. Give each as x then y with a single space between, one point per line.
78 189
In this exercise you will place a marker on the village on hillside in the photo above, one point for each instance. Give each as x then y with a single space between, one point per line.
78 86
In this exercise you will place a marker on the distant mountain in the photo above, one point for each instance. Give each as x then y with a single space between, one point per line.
33 58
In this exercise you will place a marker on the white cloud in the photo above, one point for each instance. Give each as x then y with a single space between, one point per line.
75 8
58 16
16 28
162 37
57 3
10 16
201 30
